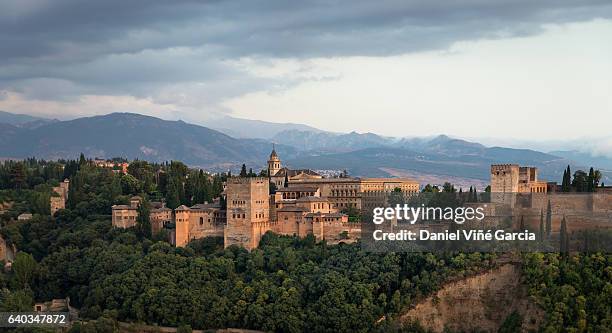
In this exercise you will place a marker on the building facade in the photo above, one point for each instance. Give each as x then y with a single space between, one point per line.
512 178
303 203
198 221
124 216
248 211
59 196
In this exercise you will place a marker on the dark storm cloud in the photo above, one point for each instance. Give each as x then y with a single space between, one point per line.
136 46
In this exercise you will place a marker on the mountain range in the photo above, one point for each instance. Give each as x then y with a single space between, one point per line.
431 159
247 128
134 136
23 120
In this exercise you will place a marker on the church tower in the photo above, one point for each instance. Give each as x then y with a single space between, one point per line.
274 163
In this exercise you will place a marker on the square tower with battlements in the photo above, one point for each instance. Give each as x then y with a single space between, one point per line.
505 178
248 210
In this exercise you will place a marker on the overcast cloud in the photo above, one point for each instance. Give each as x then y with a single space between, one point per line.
192 59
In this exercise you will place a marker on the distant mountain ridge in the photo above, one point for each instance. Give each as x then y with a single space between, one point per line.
329 142
373 161
257 129
23 120
135 136
373 155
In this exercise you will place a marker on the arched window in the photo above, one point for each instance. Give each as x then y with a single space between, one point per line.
201 220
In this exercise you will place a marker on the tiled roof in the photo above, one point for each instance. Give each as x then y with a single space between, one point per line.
292 209
290 173
311 199
298 189
325 215
161 209
206 206
122 207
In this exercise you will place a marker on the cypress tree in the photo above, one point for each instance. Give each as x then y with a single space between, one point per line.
286 180
172 197
548 219
243 171
18 176
568 180
591 181
563 238
541 225
564 181
82 160
143 219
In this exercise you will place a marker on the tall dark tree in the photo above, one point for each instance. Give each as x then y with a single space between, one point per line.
24 268
596 178
18 176
448 188
541 225
591 180
273 188
548 219
70 168
173 199
580 181
143 221
430 189
566 185
82 160
286 184
243 171
563 238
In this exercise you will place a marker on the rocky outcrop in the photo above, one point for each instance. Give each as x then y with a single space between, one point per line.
479 303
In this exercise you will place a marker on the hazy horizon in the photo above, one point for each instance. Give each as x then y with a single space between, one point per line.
544 146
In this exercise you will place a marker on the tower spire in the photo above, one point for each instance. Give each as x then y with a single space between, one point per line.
274 163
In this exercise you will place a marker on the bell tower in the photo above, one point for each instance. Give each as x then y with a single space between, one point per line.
274 163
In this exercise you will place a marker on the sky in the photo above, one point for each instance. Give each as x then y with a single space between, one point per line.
511 70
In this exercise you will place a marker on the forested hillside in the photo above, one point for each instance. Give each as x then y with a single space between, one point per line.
286 285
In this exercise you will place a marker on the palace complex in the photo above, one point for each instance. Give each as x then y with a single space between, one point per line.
517 192
301 202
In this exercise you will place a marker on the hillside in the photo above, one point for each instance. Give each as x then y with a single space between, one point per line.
330 142
487 300
441 156
23 120
135 136
258 129
362 154
372 161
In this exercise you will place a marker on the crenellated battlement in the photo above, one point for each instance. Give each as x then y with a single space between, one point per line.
247 180
503 167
